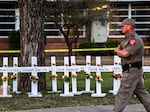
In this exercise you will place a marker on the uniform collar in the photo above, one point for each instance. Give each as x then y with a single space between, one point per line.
130 35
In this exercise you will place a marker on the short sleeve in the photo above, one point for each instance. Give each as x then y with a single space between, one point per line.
133 45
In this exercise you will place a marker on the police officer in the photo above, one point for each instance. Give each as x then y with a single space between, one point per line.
131 51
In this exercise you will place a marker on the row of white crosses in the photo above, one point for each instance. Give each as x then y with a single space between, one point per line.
15 70
34 70
88 68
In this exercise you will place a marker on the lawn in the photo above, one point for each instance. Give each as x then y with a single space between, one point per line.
53 100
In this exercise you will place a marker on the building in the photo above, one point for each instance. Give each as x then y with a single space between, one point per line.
139 10
136 9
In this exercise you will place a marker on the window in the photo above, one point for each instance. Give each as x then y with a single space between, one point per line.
50 29
140 12
119 12
7 18
9 21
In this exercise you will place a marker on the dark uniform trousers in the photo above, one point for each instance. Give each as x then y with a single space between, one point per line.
132 84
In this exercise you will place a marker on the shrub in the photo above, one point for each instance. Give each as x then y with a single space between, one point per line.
87 44
148 36
111 44
14 40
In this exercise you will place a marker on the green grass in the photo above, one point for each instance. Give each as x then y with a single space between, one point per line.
53 100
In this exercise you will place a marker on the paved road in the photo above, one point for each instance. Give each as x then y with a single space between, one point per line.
104 108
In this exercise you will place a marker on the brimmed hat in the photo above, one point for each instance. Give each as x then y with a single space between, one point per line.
127 21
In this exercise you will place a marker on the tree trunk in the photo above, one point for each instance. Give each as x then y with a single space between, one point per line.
32 38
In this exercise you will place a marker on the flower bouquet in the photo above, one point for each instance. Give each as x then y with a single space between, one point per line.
5 78
117 76
53 76
33 78
13 76
66 78
88 76
98 78
73 76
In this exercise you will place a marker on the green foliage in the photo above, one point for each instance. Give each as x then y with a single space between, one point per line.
111 44
148 36
14 40
87 44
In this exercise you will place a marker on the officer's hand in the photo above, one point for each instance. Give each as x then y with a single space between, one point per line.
117 49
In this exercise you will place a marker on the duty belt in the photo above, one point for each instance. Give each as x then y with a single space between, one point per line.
130 65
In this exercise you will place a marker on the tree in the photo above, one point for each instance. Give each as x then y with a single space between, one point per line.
32 38
72 15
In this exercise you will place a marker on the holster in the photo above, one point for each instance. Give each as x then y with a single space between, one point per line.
130 65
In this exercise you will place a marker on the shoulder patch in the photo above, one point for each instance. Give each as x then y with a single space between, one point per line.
132 41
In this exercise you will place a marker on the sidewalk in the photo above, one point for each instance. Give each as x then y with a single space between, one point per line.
100 108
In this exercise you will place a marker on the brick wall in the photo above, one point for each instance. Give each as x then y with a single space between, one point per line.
52 43
4 44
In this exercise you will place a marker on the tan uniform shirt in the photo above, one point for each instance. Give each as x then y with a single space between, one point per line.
135 46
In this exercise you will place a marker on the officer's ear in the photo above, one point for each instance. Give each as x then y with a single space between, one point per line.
129 27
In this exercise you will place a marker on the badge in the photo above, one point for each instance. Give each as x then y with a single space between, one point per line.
132 41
